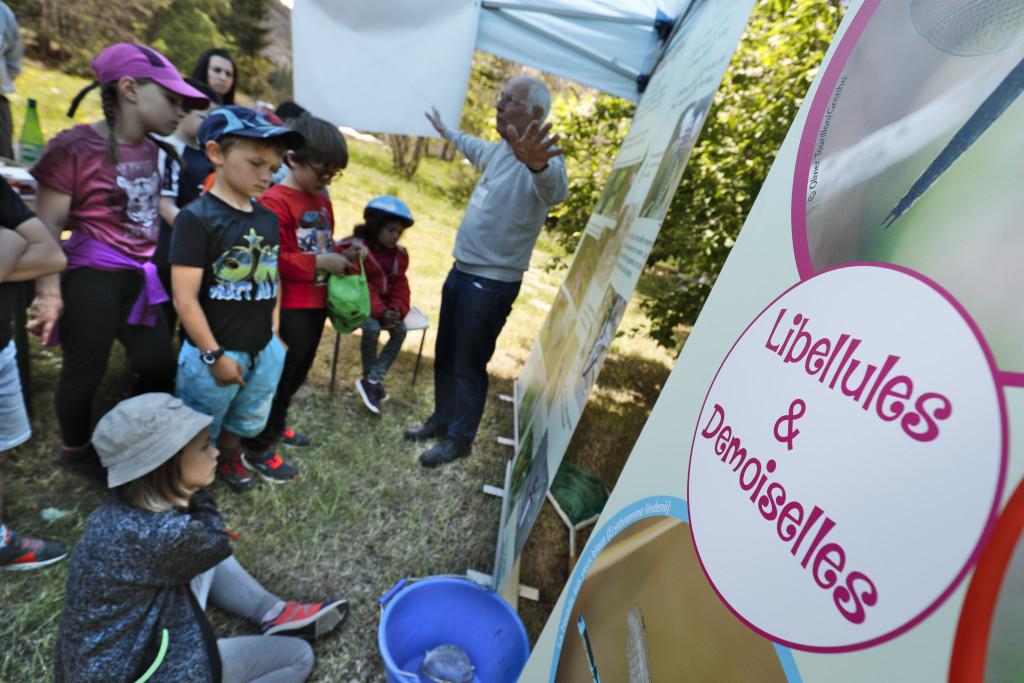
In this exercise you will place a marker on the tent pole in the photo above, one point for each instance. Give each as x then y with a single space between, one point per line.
599 57
573 14
669 37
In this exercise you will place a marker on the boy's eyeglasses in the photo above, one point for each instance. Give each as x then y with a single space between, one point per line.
325 176
504 99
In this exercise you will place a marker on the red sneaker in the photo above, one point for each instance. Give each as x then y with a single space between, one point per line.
18 553
231 470
307 620
270 465
293 438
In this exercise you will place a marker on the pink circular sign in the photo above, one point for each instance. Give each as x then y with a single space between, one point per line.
848 460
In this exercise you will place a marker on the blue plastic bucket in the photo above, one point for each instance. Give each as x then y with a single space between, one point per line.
420 615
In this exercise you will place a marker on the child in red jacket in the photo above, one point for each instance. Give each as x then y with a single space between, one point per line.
386 219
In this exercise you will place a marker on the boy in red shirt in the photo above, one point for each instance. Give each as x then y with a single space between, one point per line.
306 258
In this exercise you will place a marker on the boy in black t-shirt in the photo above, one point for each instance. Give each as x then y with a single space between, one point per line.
27 251
224 249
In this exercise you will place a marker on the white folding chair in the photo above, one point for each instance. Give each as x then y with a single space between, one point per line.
415 320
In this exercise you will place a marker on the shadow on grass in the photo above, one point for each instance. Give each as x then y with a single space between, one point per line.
626 391
362 514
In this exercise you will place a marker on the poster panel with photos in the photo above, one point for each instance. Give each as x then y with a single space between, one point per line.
579 330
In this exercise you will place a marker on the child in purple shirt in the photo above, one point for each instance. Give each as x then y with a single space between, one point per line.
102 183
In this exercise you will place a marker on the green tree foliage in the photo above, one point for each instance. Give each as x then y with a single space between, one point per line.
256 76
245 23
70 34
280 83
774 64
592 127
406 152
488 74
764 85
183 29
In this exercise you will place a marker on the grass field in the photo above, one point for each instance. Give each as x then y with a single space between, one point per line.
363 513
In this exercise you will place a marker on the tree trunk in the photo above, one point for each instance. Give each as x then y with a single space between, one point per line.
448 151
49 20
406 152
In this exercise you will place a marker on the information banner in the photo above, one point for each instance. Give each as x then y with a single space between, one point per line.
574 340
838 429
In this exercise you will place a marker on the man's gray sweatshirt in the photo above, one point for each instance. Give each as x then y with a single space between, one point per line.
506 210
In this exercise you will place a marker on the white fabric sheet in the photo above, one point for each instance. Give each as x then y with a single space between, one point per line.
378 65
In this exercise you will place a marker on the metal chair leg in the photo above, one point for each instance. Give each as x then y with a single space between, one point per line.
416 368
334 362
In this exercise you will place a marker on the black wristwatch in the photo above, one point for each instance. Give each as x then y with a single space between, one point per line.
212 356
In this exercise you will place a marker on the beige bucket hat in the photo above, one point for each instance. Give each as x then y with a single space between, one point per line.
141 433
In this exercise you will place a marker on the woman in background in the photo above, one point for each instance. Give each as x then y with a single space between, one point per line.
217 69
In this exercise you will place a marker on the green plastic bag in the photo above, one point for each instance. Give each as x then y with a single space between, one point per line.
348 300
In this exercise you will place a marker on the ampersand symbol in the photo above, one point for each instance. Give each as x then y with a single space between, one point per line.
796 410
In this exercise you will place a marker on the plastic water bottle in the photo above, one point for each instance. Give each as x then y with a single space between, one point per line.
31 143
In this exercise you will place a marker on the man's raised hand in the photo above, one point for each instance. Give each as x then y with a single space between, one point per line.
534 148
434 116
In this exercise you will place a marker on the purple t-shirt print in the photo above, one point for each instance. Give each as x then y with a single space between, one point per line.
115 204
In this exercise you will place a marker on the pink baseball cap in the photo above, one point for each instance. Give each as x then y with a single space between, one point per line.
138 61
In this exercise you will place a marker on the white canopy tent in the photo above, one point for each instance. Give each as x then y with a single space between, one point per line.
610 46
379 65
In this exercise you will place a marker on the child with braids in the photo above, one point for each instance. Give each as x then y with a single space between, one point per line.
102 182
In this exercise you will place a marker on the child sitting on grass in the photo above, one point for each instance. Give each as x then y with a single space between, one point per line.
156 553
386 218
224 250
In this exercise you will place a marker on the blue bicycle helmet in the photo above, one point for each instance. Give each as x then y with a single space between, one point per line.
392 206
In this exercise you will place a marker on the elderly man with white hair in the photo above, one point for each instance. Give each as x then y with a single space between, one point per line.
523 176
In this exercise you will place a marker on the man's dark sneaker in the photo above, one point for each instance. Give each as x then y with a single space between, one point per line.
270 465
369 393
17 554
309 620
431 429
232 470
445 450
291 437
83 461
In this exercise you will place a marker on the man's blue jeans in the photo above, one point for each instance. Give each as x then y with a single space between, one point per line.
473 311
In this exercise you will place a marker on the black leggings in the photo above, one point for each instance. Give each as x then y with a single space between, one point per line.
169 311
96 308
301 329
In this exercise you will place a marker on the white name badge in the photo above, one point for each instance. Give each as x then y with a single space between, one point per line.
479 196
